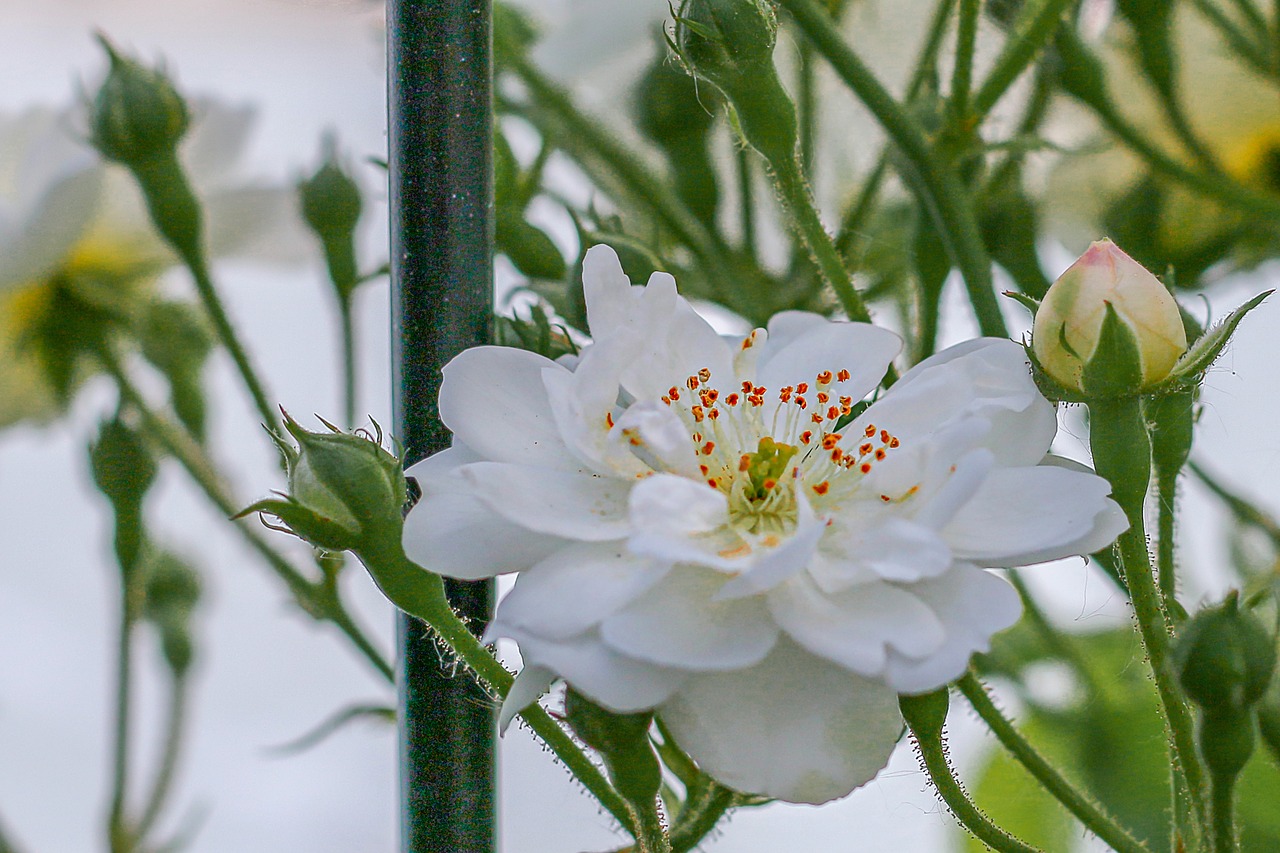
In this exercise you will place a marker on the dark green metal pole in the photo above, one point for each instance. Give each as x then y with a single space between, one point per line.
440 126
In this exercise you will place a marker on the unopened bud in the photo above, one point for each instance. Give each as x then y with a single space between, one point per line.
1107 326
137 115
1224 658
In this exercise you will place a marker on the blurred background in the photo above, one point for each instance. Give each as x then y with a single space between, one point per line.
264 673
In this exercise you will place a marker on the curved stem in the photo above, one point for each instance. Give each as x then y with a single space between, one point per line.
939 189
700 815
420 593
1031 32
119 833
651 835
163 784
192 457
962 72
933 755
1085 810
348 363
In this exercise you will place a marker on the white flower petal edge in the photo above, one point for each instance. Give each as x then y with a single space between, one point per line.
711 532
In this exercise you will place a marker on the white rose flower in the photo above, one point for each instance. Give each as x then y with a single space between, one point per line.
699 531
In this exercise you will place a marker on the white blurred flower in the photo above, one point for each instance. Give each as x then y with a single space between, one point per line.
697 533
67 218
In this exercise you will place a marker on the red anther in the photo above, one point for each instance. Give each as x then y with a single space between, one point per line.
704 469
756 400
802 388
837 455
666 400
759 390
731 400
697 438
692 383
802 403
806 437
843 375
769 484
871 430
824 378
674 393
822 487
636 441
608 419
744 464
713 483
846 401
749 341
704 374
833 413
865 467
816 417
845 411
698 414
885 498
884 436
713 414
864 449
879 454
893 442
830 440
746 387
708 448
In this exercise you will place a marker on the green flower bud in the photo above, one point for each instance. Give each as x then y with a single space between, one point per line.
345 491
172 591
123 466
1224 658
331 203
137 115
1106 309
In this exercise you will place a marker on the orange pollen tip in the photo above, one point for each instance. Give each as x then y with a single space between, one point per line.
674 393
692 383
704 469
864 449
759 390
880 454
837 455
756 400
608 419
833 413
893 442
824 378
871 430
769 484
830 440
802 402
745 462
884 436
749 341
822 488
846 401
845 411
802 388
666 400
823 397
704 374
746 387
636 442
708 448
885 498
697 437
865 468
713 414
713 483
698 414
806 437
816 418
731 400
843 376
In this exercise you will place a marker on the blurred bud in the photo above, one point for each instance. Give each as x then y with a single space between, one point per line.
137 115
622 741
926 714
123 467
331 202
535 334
1107 326
1224 658
345 491
172 592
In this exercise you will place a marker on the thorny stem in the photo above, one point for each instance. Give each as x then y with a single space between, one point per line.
940 190
420 593
192 457
701 812
1089 813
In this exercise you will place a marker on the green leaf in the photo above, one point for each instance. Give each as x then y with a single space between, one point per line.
1115 368
1206 350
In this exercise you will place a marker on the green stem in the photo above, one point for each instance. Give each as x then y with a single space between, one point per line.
1033 30
176 214
119 833
590 142
192 457
1166 563
700 815
1245 511
651 835
348 363
804 214
962 73
421 594
1241 44
1122 455
1223 808
163 784
940 190
1057 641
933 754
746 206
1085 810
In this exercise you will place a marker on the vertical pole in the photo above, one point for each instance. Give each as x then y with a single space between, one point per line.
440 125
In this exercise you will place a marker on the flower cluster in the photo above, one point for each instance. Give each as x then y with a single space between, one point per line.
723 530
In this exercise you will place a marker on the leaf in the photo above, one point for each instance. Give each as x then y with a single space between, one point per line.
1206 350
331 724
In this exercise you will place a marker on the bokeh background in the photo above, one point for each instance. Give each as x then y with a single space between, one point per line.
266 674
